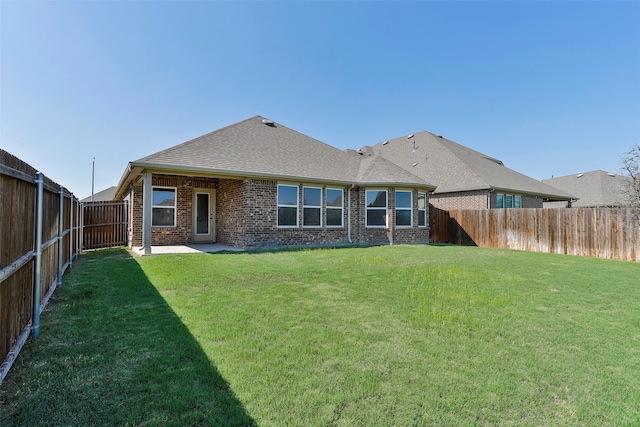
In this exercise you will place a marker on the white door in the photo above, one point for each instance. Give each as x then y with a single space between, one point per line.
204 203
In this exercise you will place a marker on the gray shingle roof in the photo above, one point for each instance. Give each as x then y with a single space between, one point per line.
453 167
595 188
105 195
251 148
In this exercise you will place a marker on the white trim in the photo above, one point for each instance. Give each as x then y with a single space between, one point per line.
174 207
327 207
367 209
426 210
297 206
319 207
410 208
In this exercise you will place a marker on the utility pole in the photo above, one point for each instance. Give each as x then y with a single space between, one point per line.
93 174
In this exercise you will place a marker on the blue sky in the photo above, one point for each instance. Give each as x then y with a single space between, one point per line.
550 88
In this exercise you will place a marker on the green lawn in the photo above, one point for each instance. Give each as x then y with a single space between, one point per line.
398 336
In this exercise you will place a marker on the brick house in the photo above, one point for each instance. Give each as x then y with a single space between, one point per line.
257 183
465 178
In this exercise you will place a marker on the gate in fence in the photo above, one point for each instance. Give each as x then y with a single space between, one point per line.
104 224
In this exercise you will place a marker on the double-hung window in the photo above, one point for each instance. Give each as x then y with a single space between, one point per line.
287 205
422 209
163 207
499 200
376 208
335 207
404 208
311 207
509 203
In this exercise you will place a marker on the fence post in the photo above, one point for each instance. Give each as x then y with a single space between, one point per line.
60 234
35 323
71 230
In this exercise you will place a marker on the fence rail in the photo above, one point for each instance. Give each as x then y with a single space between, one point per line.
612 233
39 238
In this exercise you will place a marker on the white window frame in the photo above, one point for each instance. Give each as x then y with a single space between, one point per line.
318 207
174 207
341 208
410 208
297 205
424 211
367 208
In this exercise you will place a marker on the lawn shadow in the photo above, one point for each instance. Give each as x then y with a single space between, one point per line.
112 352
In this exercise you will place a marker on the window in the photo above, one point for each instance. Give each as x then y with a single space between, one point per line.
287 205
334 207
163 207
422 209
518 201
404 208
509 201
499 200
311 207
376 207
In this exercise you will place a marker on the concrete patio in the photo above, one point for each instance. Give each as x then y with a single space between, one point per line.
186 249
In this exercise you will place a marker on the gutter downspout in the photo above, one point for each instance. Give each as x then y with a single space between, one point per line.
491 190
349 213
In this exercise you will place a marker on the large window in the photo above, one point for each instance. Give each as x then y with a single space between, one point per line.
334 207
163 207
376 201
311 207
287 205
404 208
422 209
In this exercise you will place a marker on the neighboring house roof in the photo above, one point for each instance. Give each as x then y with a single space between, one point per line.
260 148
595 188
454 168
106 195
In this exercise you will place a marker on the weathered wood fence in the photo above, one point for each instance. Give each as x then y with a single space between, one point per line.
39 238
612 233
104 224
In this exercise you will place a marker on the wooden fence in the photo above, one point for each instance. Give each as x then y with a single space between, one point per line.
104 224
612 233
39 238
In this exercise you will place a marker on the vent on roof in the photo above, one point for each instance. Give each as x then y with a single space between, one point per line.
611 174
385 142
415 164
439 136
268 123
414 147
409 136
580 175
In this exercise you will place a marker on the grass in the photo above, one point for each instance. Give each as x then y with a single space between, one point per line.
402 335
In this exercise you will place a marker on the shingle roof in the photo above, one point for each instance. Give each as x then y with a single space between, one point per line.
257 147
105 195
595 188
453 167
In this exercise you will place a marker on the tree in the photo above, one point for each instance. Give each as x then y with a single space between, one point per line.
631 167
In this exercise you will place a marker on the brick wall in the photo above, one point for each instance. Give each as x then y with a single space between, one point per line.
461 200
231 212
246 216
